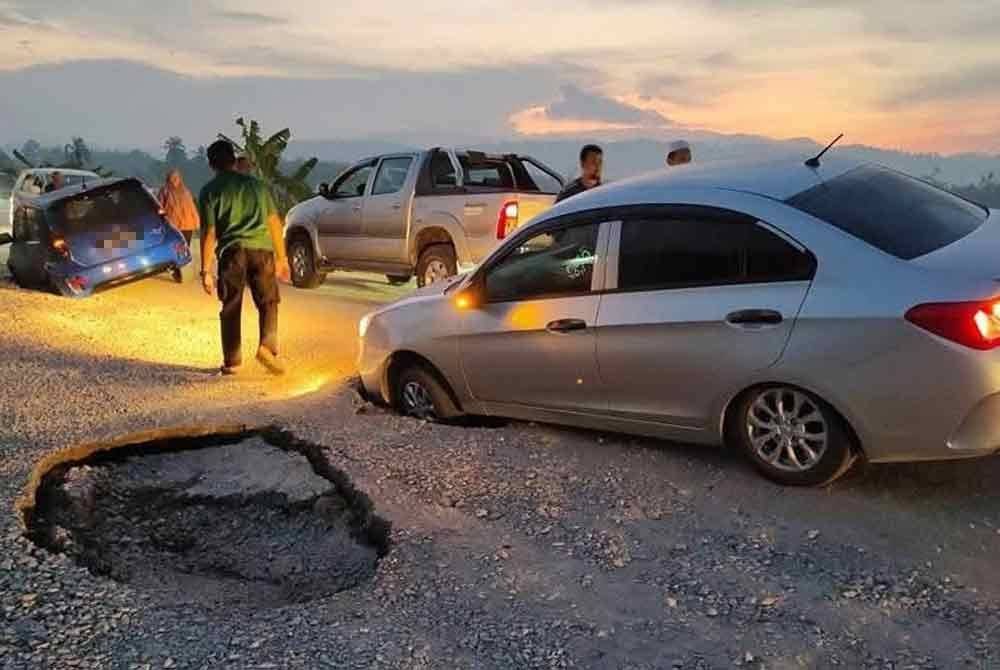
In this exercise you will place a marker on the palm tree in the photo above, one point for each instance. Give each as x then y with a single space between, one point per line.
265 159
176 152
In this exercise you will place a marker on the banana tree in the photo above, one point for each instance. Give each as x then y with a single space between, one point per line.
265 155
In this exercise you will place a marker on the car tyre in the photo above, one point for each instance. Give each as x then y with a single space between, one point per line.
420 394
302 263
398 280
792 437
436 262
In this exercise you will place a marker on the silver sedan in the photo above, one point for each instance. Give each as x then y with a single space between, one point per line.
807 315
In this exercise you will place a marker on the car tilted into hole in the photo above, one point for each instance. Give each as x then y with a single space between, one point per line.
808 315
91 236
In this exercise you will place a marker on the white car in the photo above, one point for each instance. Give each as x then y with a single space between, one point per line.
35 181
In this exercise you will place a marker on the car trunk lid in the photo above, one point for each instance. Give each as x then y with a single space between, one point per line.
107 223
975 255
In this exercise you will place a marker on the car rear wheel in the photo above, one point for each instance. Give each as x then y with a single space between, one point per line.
792 437
302 263
436 262
420 394
398 280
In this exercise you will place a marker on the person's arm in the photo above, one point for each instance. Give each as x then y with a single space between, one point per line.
207 245
277 229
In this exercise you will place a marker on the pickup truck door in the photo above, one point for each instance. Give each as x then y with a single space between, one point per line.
386 216
339 225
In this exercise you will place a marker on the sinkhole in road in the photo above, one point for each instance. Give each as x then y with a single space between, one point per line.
255 517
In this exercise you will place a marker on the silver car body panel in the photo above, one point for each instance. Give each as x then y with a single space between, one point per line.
670 367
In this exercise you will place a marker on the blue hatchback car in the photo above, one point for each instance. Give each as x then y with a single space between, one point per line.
83 239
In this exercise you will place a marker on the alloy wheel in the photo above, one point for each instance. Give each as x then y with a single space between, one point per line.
436 271
787 429
417 401
300 260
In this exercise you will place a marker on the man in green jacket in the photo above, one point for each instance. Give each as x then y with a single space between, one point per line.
240 226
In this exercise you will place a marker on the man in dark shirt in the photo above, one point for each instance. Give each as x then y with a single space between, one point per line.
241 227
591 165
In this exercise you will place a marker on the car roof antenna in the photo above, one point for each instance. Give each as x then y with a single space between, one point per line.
814 161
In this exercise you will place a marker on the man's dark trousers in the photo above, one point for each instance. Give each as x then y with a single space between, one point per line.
239 268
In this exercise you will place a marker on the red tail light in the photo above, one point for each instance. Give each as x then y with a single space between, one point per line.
972 324
507 220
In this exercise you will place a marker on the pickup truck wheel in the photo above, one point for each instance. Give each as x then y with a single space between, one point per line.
436 262
302 262
398 280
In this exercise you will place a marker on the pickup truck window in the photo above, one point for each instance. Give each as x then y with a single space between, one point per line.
392 175
443 171
486 173
352 184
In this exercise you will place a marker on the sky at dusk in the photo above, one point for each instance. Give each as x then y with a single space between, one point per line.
909 74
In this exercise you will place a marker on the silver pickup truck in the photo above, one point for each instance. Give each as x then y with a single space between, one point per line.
425 214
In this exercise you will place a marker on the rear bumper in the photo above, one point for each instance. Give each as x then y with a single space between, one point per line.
78 281
979 432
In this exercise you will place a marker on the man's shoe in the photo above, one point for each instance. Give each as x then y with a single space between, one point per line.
269 360
229 370
178 277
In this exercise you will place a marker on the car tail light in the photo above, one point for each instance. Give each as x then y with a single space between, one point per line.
972 324
78 283
60 246
507 220
181 249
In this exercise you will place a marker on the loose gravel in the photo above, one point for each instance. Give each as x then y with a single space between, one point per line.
512 546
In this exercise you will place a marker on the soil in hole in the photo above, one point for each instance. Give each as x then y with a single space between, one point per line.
258 519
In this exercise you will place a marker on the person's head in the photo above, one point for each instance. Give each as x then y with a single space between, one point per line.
58 180
175 179
591 162
221 156
678 153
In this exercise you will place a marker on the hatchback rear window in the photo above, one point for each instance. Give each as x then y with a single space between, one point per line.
118 204
898 214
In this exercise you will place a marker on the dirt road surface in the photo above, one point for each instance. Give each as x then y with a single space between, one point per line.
512 546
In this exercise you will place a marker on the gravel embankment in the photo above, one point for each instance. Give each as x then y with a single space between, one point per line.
515 546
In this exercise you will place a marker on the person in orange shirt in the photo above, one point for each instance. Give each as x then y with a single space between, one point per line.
179 209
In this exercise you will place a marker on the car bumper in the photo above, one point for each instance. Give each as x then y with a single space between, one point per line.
75 280
373 362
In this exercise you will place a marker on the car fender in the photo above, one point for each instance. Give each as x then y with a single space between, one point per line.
438 227
303 219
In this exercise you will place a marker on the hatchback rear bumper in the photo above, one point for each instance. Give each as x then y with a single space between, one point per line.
78 281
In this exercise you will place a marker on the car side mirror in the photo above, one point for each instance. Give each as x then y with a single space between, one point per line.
6 238
324 190
472 296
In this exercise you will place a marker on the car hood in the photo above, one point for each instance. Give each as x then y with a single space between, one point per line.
430 293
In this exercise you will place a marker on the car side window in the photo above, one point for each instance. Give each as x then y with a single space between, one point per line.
553 264
443 172
392 175
687 251
353 183
27 225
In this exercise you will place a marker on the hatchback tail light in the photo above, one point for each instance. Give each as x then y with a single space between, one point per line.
507 220
972 324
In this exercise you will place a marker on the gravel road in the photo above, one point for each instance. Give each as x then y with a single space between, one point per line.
513 545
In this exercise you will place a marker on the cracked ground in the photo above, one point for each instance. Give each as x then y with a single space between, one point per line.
512 546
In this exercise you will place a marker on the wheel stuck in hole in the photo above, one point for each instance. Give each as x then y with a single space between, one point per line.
255 517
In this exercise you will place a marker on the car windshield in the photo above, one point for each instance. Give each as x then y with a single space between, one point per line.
896 213
93 210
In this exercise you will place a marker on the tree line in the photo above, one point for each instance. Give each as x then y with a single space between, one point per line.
290 180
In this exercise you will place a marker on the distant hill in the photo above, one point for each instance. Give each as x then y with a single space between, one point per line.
629 156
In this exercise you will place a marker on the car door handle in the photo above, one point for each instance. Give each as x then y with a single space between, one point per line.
397 206
356 208
754 317
566 325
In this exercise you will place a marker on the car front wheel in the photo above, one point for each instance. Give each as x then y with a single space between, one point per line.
792 437
302 263
420 394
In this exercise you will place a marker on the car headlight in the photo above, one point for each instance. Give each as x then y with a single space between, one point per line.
363 324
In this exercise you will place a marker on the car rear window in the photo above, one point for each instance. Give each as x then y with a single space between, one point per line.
486 172
898 214
117 204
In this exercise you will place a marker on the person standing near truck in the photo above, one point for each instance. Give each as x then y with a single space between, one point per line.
591 167
179 209
240 226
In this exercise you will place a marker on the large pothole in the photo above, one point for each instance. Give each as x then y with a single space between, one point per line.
257 518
